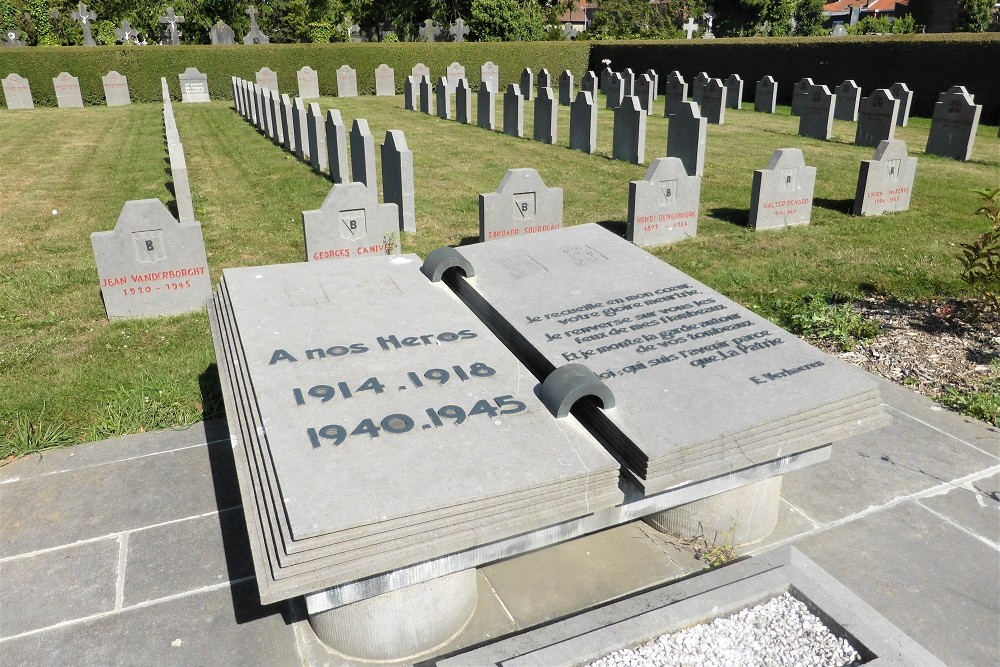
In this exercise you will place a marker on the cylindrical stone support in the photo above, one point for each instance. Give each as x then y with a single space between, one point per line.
401 624
737 517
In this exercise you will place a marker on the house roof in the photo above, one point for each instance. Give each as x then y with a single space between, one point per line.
839 6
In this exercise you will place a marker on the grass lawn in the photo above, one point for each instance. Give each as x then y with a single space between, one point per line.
68 375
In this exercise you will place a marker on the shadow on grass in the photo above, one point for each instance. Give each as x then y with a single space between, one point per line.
736 216
618 227
469 240
844 206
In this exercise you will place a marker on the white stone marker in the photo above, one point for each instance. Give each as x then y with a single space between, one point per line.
486 108
766 95
876 118
350 223
675 94
363 155
816 114
267 78
336 146
902 93
802 92
385 81
454 74
513 111
885 183
397 179
686 137
583 123
848 98
713 102
347 81
521 205
782 194
150 264
67 89
954 124
17 92
663 206
116 92
194 86
546 117
490 72
308 81
629 138
419 71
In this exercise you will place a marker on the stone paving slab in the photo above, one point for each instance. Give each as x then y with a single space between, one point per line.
974 505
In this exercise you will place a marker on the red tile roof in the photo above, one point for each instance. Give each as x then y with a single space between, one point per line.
865 5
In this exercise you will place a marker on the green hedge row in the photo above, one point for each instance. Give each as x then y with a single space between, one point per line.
928 64
145 65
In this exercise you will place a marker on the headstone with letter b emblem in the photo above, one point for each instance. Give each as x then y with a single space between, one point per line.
523 204
351 223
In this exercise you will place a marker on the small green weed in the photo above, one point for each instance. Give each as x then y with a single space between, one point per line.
983 403
28 435
816 316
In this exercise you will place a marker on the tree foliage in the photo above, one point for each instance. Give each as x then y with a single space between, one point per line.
974 15
506 21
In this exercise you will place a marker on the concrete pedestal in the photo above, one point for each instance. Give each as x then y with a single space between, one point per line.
741 516
401 624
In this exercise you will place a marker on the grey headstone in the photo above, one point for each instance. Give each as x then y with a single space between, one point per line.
12 38
583 123
222 34
629 139
734 92
385 81
902 93
425 95
655 77
263 117
675 93
885 183
181 183
644 92
308 80
543 80
17 92
490 72
802 92
615 91
546 117
698 87
848 98
234 83
954 124
336 146
363 155
766 95
838 29
420 70
150 264
288 122
589 83
521 205
347 81
455 73
397 179
410 94
486 106
194 86
686 136
816 114
663 206
527 86
713 102
299 127
566 92
274 113
267 78
350 223
67 91
876 118
782 194
116 92
463 102
442 92
513 111
605 77
628 82
316 131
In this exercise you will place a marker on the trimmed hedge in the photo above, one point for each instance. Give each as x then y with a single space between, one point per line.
144 65
928 64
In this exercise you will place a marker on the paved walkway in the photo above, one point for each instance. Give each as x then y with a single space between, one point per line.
134 551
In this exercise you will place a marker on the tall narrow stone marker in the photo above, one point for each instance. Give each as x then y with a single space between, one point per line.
663 206
267 78
318 156
565 88
385 81
363 155
336 146
350 223
513 111
876 118
644 92
655 78
181 183
954 124
410 94
675 93
629 139
698 87
425 95
546 117
288 122
299 125
734 92
766 95
885 183
67 89
17 92
308 80
443 93
347 81
628 82
521 205
116 92
397 179
589 83
686 136
486 105
902 93
713 102
848 98
583 123
816 114
801 94
543 80
614 93
274 111
782 194
527 86
463 102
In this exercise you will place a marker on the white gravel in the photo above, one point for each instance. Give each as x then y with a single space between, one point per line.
781 631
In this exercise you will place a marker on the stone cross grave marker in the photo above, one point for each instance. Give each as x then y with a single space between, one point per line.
527 84
67 91
698 87
686 136
316 131
267 78
350 223
410 93
709 17
336 146
766 95
86 16
816 114
583 122
663 206
425 95
385 81
782 194
644 92
954 124
17 92
397 179
513 111
429 31
255 36
629 138
363 155
170 23
713 102
347 81
222 35
126 33
463 102
614 93
690 28
420 70
357 34
546 117
194 86
442 93
876 118
674 94
299 121
12 38
150 264
486 106
455 72
308 80
490 72
802 92
902 93
521 205
734 92
566 92
116 92
885 183
847 101
458 30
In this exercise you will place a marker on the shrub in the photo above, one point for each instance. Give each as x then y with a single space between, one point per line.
981 260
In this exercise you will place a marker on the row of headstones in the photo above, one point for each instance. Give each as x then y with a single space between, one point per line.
302 130
178 163
17 91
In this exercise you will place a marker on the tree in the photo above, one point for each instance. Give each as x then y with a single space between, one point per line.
974 15
754 17
506 20
634 19
809 18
